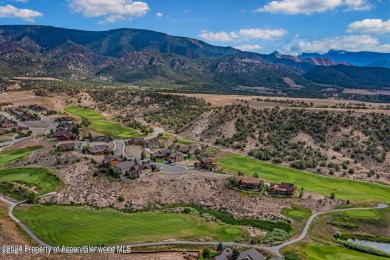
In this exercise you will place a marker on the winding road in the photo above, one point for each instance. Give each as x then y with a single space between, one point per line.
274 249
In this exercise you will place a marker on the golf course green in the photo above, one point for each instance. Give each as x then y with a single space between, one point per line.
43 180
343 189
102 125
10 156
75 226
328 252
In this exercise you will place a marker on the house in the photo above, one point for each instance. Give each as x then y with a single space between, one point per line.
67 147
112 160
251 254
175 157
65 135
125 166
162 153
249 183
137 141
99 150
153 144
226 254
103 139
138 169
283 189
205 163
8 125
64 119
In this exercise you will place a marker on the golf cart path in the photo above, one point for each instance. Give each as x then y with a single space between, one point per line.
274 249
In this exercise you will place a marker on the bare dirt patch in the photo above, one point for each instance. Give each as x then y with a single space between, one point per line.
366 91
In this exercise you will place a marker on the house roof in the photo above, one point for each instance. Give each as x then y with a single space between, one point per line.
207 160
112 158
282 187
125 165
67 145
226 254
251 254
98 148
249 179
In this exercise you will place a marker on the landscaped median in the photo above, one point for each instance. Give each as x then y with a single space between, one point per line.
75 226
102 125
343 189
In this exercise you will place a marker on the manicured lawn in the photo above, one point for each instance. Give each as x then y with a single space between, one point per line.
75 226
315 252
296 212
102 125
185 141
344 189
361 213
44 180
13 155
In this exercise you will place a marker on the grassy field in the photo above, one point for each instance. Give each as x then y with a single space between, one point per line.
344 189
13 155
42 179
185 141
211 149
315 252
361 213
297 212
102 125
86 226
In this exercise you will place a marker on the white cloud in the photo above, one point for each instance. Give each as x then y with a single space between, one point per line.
112 10
308 7
348 43
159 14
357 5
249 47
10 11
377 26
243 35
264 34
215 36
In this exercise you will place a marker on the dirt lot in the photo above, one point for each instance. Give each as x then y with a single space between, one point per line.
366 92
222 100
19 98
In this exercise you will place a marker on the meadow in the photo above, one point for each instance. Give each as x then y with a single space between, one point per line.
315 252
102 125
10 156
75 226
42 179
343 189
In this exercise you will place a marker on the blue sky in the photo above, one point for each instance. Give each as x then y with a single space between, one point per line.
289 26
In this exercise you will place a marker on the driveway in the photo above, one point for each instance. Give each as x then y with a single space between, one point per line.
172 169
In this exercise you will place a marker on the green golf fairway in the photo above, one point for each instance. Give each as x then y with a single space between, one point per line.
344 189
41 178
327 252
361 213
13 155
101 125
75 226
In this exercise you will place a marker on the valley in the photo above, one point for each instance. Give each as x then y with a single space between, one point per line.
192 203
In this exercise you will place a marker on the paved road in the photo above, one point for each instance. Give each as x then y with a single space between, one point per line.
172 169
12 205
275 249
119 148
308 223
156 132
13 141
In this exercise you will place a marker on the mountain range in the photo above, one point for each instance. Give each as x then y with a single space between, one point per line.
151 58
364 58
